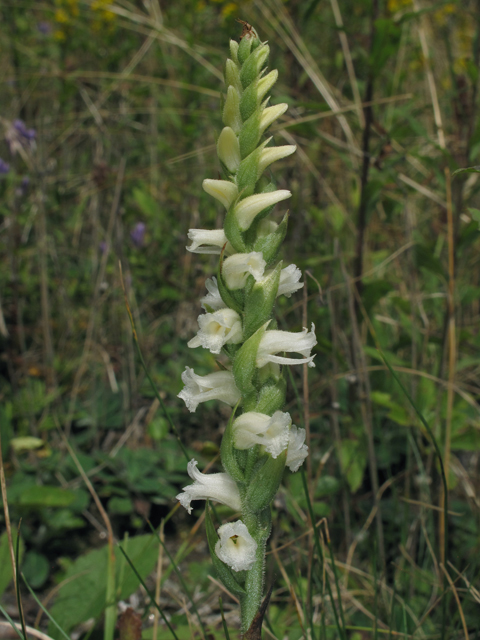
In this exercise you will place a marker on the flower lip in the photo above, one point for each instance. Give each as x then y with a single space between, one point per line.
236 547
213 300
214 486
236 268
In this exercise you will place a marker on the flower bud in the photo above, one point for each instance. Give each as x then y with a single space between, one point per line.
232 76
208 242
253 95
253 65
256 125
228 149
223 190
247 209
231 110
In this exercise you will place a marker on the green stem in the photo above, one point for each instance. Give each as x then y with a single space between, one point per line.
259 526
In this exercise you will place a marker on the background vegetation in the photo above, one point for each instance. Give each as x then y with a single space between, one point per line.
109 113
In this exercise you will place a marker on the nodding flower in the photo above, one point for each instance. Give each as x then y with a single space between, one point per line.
273 342
219 385
214 486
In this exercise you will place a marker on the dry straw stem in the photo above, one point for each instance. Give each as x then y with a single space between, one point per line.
297 46
35 633
8 526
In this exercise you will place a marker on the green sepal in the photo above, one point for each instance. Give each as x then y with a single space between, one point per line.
223 571
271 397
254 94
227 451
250 134
244 48
232 75
232 299
259 302
244 365
255 62
265 482
233 231
248 173
270 244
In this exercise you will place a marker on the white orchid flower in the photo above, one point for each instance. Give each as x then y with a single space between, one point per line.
236 547
272 432
219 385
214 486
236 268
274 341
216 329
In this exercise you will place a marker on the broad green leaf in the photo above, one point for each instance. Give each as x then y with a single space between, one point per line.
353 461
46 496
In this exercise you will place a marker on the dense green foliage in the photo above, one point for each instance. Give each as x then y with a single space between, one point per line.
124 100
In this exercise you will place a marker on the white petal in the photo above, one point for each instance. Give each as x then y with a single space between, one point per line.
219 385
297 451
236 547
223 190
272 154
236 268
213 298
289 281
214 486
248 208
270 114
228 149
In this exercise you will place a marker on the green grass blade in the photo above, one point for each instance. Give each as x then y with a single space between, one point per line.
14 626
45 611
224 622
442 472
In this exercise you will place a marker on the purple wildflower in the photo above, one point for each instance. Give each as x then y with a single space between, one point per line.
29 134
44 27
19 137
4 167
22 189
137 234
103 247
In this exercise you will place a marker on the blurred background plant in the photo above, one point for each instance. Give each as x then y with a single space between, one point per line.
108 113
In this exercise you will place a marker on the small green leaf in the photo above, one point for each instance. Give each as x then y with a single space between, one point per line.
265 482
260 300
35 568
244 365
229 460
475 169
46 496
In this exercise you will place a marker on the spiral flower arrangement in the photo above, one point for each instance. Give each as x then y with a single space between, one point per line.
260 439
